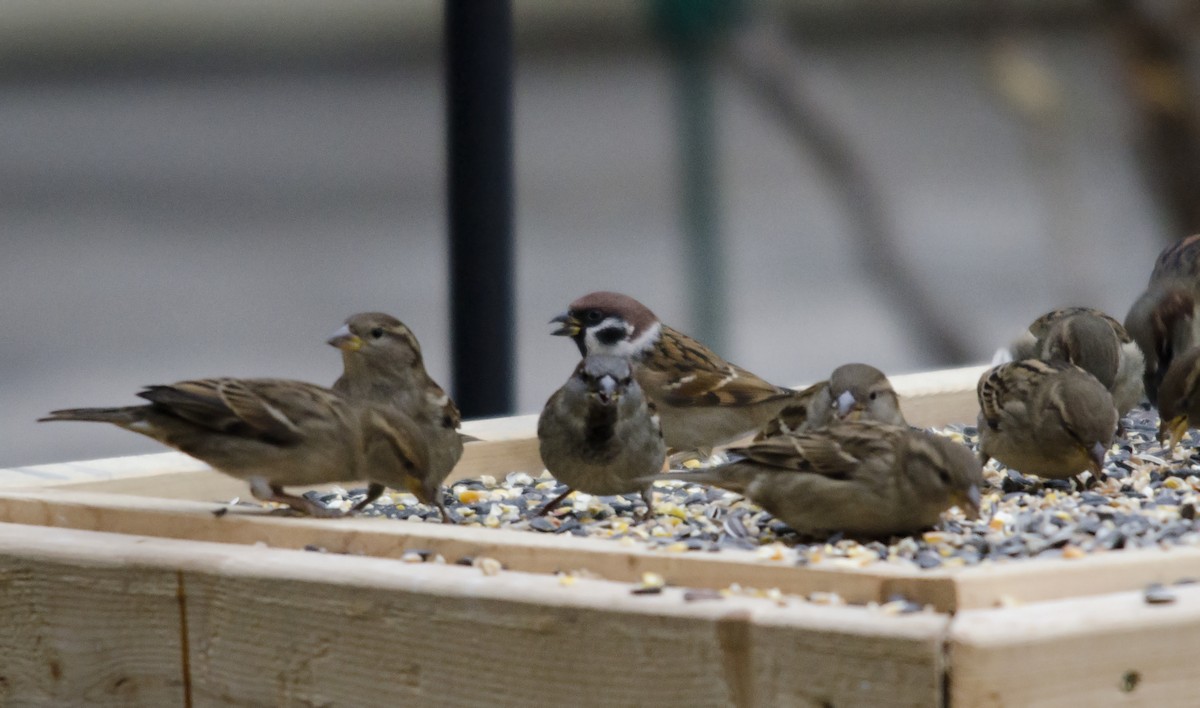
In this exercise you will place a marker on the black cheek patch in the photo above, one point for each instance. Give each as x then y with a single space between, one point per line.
610 335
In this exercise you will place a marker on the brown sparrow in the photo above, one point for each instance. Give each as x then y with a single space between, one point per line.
383 367
853 392
1179 398
269 432
598 433
1093 341
860 477
703 400
1164 320
1048 418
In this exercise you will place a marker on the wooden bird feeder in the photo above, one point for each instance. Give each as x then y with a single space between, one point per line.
120 586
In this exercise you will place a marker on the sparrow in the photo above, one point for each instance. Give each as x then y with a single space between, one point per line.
268 432
1048 418
383 367
598 433
1179 398
853 392
1093 341
863 478
1164 320
703 400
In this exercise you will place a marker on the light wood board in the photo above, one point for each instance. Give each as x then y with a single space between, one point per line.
1108 650
109 619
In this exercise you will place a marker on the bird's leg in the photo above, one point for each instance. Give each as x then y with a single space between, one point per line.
374 491
441 506
648 497
553 503
265 491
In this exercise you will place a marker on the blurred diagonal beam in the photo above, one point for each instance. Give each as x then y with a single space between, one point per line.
767 61
1154 40
478 60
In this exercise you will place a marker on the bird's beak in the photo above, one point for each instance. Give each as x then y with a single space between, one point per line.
570 325
1174 428
848 408
608 391
345 340
1098 451
970 501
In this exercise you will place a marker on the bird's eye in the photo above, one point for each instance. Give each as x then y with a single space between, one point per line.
874 395
593 316
944 476
377 333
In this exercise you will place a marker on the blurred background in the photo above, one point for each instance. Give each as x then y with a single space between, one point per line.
209 187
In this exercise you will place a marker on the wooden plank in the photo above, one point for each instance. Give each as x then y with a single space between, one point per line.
272 627
939 398
1036 580
1107 650
520 550
947 590
85 629
103 470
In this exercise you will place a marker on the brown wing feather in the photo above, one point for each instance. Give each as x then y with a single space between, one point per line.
793 417
1041 326
834 452
264 408
697 377
1179 260
1011 383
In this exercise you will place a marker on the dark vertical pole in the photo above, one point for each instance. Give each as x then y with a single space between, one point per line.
478 47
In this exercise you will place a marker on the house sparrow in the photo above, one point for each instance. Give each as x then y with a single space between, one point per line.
863 478
1164 320
383 366
703 400
1048 418
598 433
1179 398
853 392
269 432
1093 341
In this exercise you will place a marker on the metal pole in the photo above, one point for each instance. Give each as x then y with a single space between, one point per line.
479 58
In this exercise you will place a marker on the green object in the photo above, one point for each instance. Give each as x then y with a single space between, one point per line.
691 29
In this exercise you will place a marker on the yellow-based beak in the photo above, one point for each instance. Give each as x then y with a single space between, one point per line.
345 340
570 326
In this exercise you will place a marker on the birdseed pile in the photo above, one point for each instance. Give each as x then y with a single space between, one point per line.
1145 497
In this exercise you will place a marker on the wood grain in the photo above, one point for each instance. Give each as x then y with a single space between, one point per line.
277 627
1109 650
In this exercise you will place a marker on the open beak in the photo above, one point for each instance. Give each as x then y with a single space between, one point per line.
1174 429
569 328
345 340
607 390
969 502
847 407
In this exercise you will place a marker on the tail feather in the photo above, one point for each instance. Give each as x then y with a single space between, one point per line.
118 416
